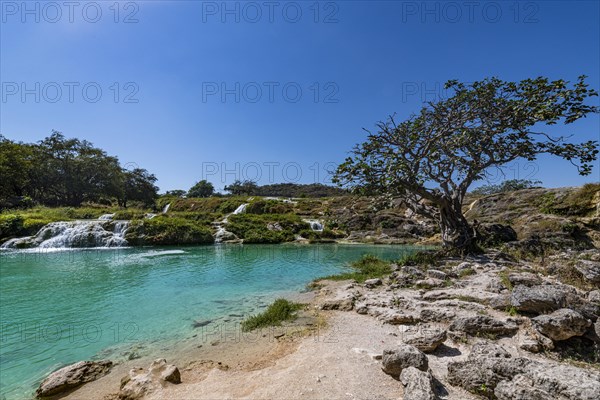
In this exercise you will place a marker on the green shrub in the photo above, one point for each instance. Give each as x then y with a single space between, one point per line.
368 267
281 310
168 231
420 258
253 228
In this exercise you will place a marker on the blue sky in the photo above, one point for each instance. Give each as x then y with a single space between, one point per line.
277 91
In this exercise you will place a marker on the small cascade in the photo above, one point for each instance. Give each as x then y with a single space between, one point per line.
166 209
222 234
315 225
149 215
241 209
74 234
106 217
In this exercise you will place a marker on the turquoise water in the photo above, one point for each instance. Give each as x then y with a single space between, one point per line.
61 307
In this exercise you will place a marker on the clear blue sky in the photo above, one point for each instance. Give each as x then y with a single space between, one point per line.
354 62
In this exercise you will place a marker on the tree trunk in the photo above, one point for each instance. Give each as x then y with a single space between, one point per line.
457 234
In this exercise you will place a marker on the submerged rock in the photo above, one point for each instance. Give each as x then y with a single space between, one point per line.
72 376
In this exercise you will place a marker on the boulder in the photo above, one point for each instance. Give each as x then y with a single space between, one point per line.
437 274
403 356
427 340
524 278
140 382
418 385
482 324
540 298
346 304
561 324
551 381
494 234
486 366
371 283
589 269
72 376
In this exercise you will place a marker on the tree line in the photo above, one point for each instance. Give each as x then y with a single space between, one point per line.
204 188
60 171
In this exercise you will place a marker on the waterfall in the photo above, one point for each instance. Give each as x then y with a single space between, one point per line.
241 209
315 225
166 209
106 217
74 234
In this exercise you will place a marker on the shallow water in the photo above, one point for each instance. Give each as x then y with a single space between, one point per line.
61 307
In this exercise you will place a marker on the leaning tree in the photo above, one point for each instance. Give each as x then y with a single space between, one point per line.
432 158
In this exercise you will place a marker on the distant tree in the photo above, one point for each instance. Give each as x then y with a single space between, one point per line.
510 185
241 188
432 158
176 193
201 189
70 171
138 185
16 164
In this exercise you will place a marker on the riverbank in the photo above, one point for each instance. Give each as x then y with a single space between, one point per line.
486 326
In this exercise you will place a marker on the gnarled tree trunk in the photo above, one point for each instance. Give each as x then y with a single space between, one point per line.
457 234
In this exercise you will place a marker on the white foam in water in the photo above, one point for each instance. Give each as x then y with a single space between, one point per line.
315 225
106 217
241 209
74 234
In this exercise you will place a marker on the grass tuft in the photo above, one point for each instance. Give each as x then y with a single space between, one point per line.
281 310
368 267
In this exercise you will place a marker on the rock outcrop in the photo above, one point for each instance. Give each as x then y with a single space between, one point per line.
418 385
140 382
72 376
401 357
561 324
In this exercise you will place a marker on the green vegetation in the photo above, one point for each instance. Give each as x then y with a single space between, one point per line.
368 267
494 127
266 228
201 189
18 223
420 258
281 310
168 231
68 172
506 186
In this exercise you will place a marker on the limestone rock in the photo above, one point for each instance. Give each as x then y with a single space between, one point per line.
72 376
418 385
486 366
524 278
494 234
427 340
403 356
437 274
540 298
371 283
140 382
561 324
589 269
551 381
482 324
346 304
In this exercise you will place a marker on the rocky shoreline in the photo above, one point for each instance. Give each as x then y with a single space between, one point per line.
481 327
